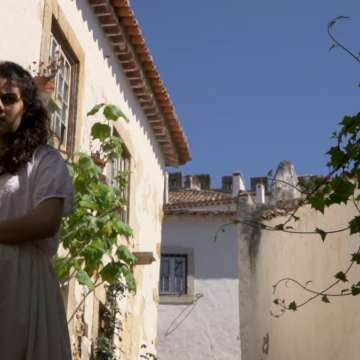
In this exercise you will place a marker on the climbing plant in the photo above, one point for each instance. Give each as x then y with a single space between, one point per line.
104 348
340 186
89 237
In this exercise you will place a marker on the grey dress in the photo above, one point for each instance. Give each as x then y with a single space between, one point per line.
32 317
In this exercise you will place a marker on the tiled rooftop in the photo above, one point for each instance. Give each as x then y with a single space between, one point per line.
192 197
120 25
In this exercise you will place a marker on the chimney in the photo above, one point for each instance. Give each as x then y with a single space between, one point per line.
175 181
227 183
284 186
197 182
204 180
192 182
254 181
260 193
237 183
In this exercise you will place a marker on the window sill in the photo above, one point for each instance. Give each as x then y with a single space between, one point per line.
144 257
176 299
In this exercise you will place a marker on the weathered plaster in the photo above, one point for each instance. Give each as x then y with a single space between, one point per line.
318 330
208 327
101 80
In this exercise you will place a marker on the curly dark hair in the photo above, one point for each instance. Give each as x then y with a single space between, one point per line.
34 129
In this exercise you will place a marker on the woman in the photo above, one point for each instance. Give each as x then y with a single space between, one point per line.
35 192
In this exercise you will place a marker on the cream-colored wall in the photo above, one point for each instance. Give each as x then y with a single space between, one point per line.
209 327
21 26
104 81
317 330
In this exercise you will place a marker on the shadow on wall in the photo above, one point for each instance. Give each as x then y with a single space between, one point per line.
182 316
212 259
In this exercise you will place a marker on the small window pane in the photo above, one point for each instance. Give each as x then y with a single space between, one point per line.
173 274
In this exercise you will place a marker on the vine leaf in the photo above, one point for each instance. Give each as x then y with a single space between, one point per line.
355 290
279 227
341 276
84 279
111 272
317 202
322 233
355 225
100 131
95 109
112 112
293 306
333 46
355 258
125 254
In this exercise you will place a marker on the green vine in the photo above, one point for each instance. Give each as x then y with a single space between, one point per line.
105 347
90 236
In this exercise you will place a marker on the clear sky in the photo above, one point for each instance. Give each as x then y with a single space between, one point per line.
253 82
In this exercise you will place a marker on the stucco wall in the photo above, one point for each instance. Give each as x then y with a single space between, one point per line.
103 81
21 22
208 328
317 330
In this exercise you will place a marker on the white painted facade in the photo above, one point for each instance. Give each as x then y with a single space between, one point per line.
102 80
208 326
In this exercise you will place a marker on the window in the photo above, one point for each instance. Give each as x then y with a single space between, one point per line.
65 92
173 274
176 283
122 167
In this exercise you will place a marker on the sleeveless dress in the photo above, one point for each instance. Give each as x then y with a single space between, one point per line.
32 317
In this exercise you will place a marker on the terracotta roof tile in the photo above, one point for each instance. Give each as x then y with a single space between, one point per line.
282 208
200 212
122 28
190 198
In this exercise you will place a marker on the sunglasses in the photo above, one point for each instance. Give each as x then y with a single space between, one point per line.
9 99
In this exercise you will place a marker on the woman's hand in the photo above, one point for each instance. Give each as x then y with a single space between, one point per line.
43 222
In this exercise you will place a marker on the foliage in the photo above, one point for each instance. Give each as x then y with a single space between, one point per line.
340 186
90 236
105 348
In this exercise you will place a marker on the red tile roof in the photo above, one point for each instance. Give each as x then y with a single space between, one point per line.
190 198
282 208
122 28
200 212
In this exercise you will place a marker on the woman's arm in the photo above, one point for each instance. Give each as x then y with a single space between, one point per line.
43 222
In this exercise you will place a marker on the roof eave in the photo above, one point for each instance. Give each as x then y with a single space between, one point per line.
119 23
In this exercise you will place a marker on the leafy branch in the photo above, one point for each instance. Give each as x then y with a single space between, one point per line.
91 235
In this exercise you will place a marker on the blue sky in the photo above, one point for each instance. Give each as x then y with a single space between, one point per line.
253 81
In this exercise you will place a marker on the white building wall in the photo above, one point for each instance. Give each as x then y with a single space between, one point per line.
21 26
104 81
209 327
